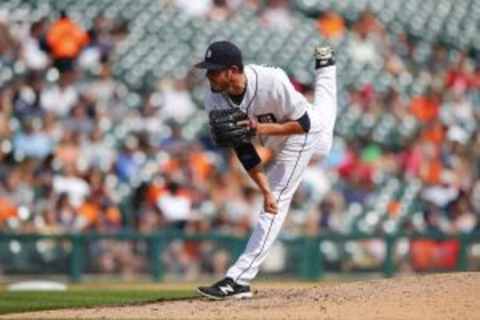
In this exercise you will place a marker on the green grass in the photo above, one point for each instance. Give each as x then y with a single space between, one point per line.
12 302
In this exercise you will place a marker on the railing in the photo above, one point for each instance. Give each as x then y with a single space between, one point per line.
311 265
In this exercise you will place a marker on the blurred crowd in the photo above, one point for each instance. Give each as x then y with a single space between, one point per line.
75 157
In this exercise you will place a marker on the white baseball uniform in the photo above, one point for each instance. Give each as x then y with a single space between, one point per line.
270 97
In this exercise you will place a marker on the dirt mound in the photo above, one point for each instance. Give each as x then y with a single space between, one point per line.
442 296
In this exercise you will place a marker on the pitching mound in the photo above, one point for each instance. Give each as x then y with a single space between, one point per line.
443 296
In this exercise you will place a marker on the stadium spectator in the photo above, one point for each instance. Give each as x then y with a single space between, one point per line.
277 15
65 40
62 96
220 10
33 47
331 25
33 141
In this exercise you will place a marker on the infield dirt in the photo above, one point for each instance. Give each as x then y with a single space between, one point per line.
441 296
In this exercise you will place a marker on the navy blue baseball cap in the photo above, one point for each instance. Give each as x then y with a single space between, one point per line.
221 55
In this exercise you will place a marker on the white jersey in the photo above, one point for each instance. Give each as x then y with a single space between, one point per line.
271 97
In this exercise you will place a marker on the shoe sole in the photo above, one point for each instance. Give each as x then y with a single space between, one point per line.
319 55
243 295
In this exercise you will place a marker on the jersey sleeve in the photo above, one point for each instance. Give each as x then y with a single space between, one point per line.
292 103
208 103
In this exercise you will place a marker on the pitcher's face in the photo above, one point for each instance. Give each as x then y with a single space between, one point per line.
219 79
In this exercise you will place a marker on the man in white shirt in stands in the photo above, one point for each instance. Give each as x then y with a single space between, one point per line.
287 125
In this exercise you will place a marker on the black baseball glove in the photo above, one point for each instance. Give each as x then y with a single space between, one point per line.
230 127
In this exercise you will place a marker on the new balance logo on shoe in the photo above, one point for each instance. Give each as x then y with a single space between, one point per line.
226 289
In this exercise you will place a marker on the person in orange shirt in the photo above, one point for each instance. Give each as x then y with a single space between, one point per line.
426 108
89 213
65 39
331 25
431 166
434 132
7 210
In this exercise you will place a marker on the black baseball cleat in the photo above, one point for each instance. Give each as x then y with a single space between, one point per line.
324 57
224 289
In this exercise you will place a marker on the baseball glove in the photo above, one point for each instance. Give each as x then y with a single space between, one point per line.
229 127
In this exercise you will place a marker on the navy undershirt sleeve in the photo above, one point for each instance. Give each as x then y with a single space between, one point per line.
248 156
304 121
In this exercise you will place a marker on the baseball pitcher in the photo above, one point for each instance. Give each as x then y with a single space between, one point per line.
257 105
